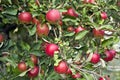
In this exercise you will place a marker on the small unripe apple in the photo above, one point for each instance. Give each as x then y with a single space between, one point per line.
70 29
104 15
34 59
98 33
95 58
60 23
42 30
61 68
22 66
51 48
71 12
1 38
53 16
79 29
25 17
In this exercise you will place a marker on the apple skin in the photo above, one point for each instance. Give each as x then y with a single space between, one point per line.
34 59
42 30
71 12
101 78
89 1
25 17
77 75
22 66
70 29
109 56
95 58
79 29
98 33
1 38
33 72
104 15
51 48
35 21
69 72
53 16
113 52
61 68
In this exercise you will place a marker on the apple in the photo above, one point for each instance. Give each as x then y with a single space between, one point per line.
35 21
89 1
61 68
95 58
1 38
101 78
42 30
22 66
53 16
60 23
68 72
113 52
108 56
103 15
25 17
33 72
43 45
98 33
79 29
34 59
71 12
77 75
70 29
51 48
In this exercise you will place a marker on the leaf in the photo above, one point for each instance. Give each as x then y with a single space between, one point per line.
107 42
10 11
25 46
23 73
108 27
69 34
32 30
89 57
57 62
80 35
103 63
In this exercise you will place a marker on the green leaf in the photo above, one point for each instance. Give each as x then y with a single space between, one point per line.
32 30
10 11
80 35
69 34
23 73
107 42
108 27
25 46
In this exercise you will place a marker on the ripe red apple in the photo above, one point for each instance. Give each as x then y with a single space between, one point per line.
71 12
34 59
113 52
51 48
25 17
42 30
68 72
22 66
53 16
98 33
95 58
61 68
109 56
79 29
77 75
1 38
35 21
33 72
103 15
70 29
43 45
101 78
89 1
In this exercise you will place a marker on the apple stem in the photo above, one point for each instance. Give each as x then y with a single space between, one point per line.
36 37
45 40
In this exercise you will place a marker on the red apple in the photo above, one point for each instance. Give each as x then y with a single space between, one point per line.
25 17
89 1
33 72
35 21
71 12
109 56
43 45
53 16
101 78
98 33
60 23
70 29
113 52
95 58
79 29
77 75
42 30
1 38
68 72
51 48
61 68
34 59
22 66
103 15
